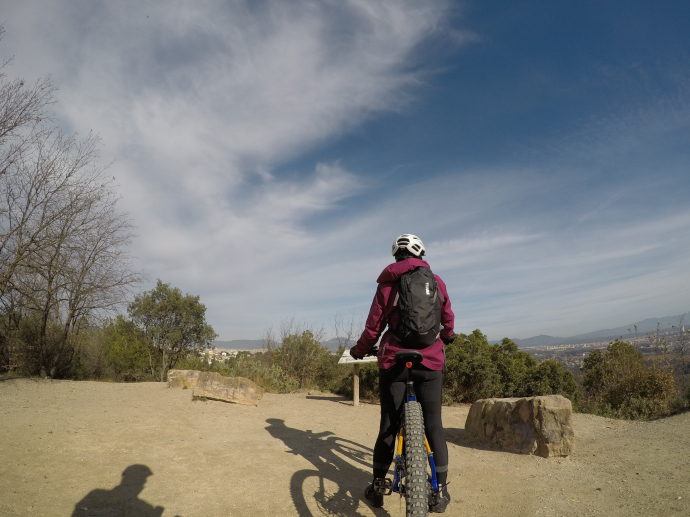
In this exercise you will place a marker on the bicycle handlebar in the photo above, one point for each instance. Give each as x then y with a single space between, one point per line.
373 351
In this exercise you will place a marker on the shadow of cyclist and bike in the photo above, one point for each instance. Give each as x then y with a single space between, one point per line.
335 486
342 469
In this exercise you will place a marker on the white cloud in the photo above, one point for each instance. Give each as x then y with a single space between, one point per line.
582 279
203 104
200 102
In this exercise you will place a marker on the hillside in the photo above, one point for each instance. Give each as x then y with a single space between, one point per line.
65 446
643 327
647 326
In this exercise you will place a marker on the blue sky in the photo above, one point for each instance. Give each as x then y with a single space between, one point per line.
270 152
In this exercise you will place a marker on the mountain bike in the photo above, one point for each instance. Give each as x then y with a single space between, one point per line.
412 480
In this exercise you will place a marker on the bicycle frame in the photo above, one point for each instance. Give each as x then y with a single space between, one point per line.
398 487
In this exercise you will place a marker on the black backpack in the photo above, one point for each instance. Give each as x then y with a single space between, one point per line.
419 306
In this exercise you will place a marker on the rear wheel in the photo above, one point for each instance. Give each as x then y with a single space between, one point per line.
416 492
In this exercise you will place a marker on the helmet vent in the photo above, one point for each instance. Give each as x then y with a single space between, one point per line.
410 242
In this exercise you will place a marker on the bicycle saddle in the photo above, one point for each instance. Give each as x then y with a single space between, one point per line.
412 356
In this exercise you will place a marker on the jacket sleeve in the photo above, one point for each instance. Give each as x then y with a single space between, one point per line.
447 316
376 323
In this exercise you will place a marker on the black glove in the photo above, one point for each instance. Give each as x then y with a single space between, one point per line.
449 340
354 355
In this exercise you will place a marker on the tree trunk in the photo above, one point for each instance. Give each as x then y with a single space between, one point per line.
153 373
163 367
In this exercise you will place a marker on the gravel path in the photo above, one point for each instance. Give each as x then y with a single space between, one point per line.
64 447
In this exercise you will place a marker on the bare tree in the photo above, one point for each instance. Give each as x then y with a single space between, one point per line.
64 256
268 341
78 265
24 196
660 346
346 329
290 327
23 113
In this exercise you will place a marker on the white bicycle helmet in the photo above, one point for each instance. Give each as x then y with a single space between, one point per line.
409 242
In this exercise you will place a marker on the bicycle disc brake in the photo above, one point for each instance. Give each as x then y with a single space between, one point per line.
399 486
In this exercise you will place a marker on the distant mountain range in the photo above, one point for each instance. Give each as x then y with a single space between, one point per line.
643 327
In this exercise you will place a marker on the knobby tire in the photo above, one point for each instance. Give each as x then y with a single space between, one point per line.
416 489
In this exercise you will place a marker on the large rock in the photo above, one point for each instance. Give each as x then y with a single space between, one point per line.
533 425
182 378
229 389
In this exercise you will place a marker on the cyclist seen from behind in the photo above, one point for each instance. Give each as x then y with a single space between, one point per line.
390 309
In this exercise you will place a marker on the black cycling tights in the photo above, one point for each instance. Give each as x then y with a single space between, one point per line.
427 387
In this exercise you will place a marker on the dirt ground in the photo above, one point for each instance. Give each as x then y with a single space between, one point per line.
91 448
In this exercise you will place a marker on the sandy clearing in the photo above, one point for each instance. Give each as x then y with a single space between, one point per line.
298 454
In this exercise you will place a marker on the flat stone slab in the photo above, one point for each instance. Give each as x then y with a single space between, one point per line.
182 378
532 425
238 390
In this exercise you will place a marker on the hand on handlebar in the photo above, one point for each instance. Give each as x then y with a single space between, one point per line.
372 351
449 340
354 354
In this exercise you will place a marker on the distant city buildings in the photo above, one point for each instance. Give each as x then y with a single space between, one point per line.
222 354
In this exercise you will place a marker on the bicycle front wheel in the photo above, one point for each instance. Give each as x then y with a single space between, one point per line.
416 490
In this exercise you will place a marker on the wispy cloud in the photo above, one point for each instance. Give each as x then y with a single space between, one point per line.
204 106
639 126
200 102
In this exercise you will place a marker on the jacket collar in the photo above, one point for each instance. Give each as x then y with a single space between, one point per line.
395 270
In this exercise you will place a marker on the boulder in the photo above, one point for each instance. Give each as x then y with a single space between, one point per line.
239 390
182 378
533 425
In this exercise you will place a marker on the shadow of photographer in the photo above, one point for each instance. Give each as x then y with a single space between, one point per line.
123 500
343 470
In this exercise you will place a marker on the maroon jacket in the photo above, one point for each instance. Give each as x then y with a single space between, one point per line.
383 313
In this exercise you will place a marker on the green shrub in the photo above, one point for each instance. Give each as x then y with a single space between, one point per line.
35 357
515 368
301 355
126 352
330 375
682 402
476 370
550 378
261 369
471 371
90 360
619 383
